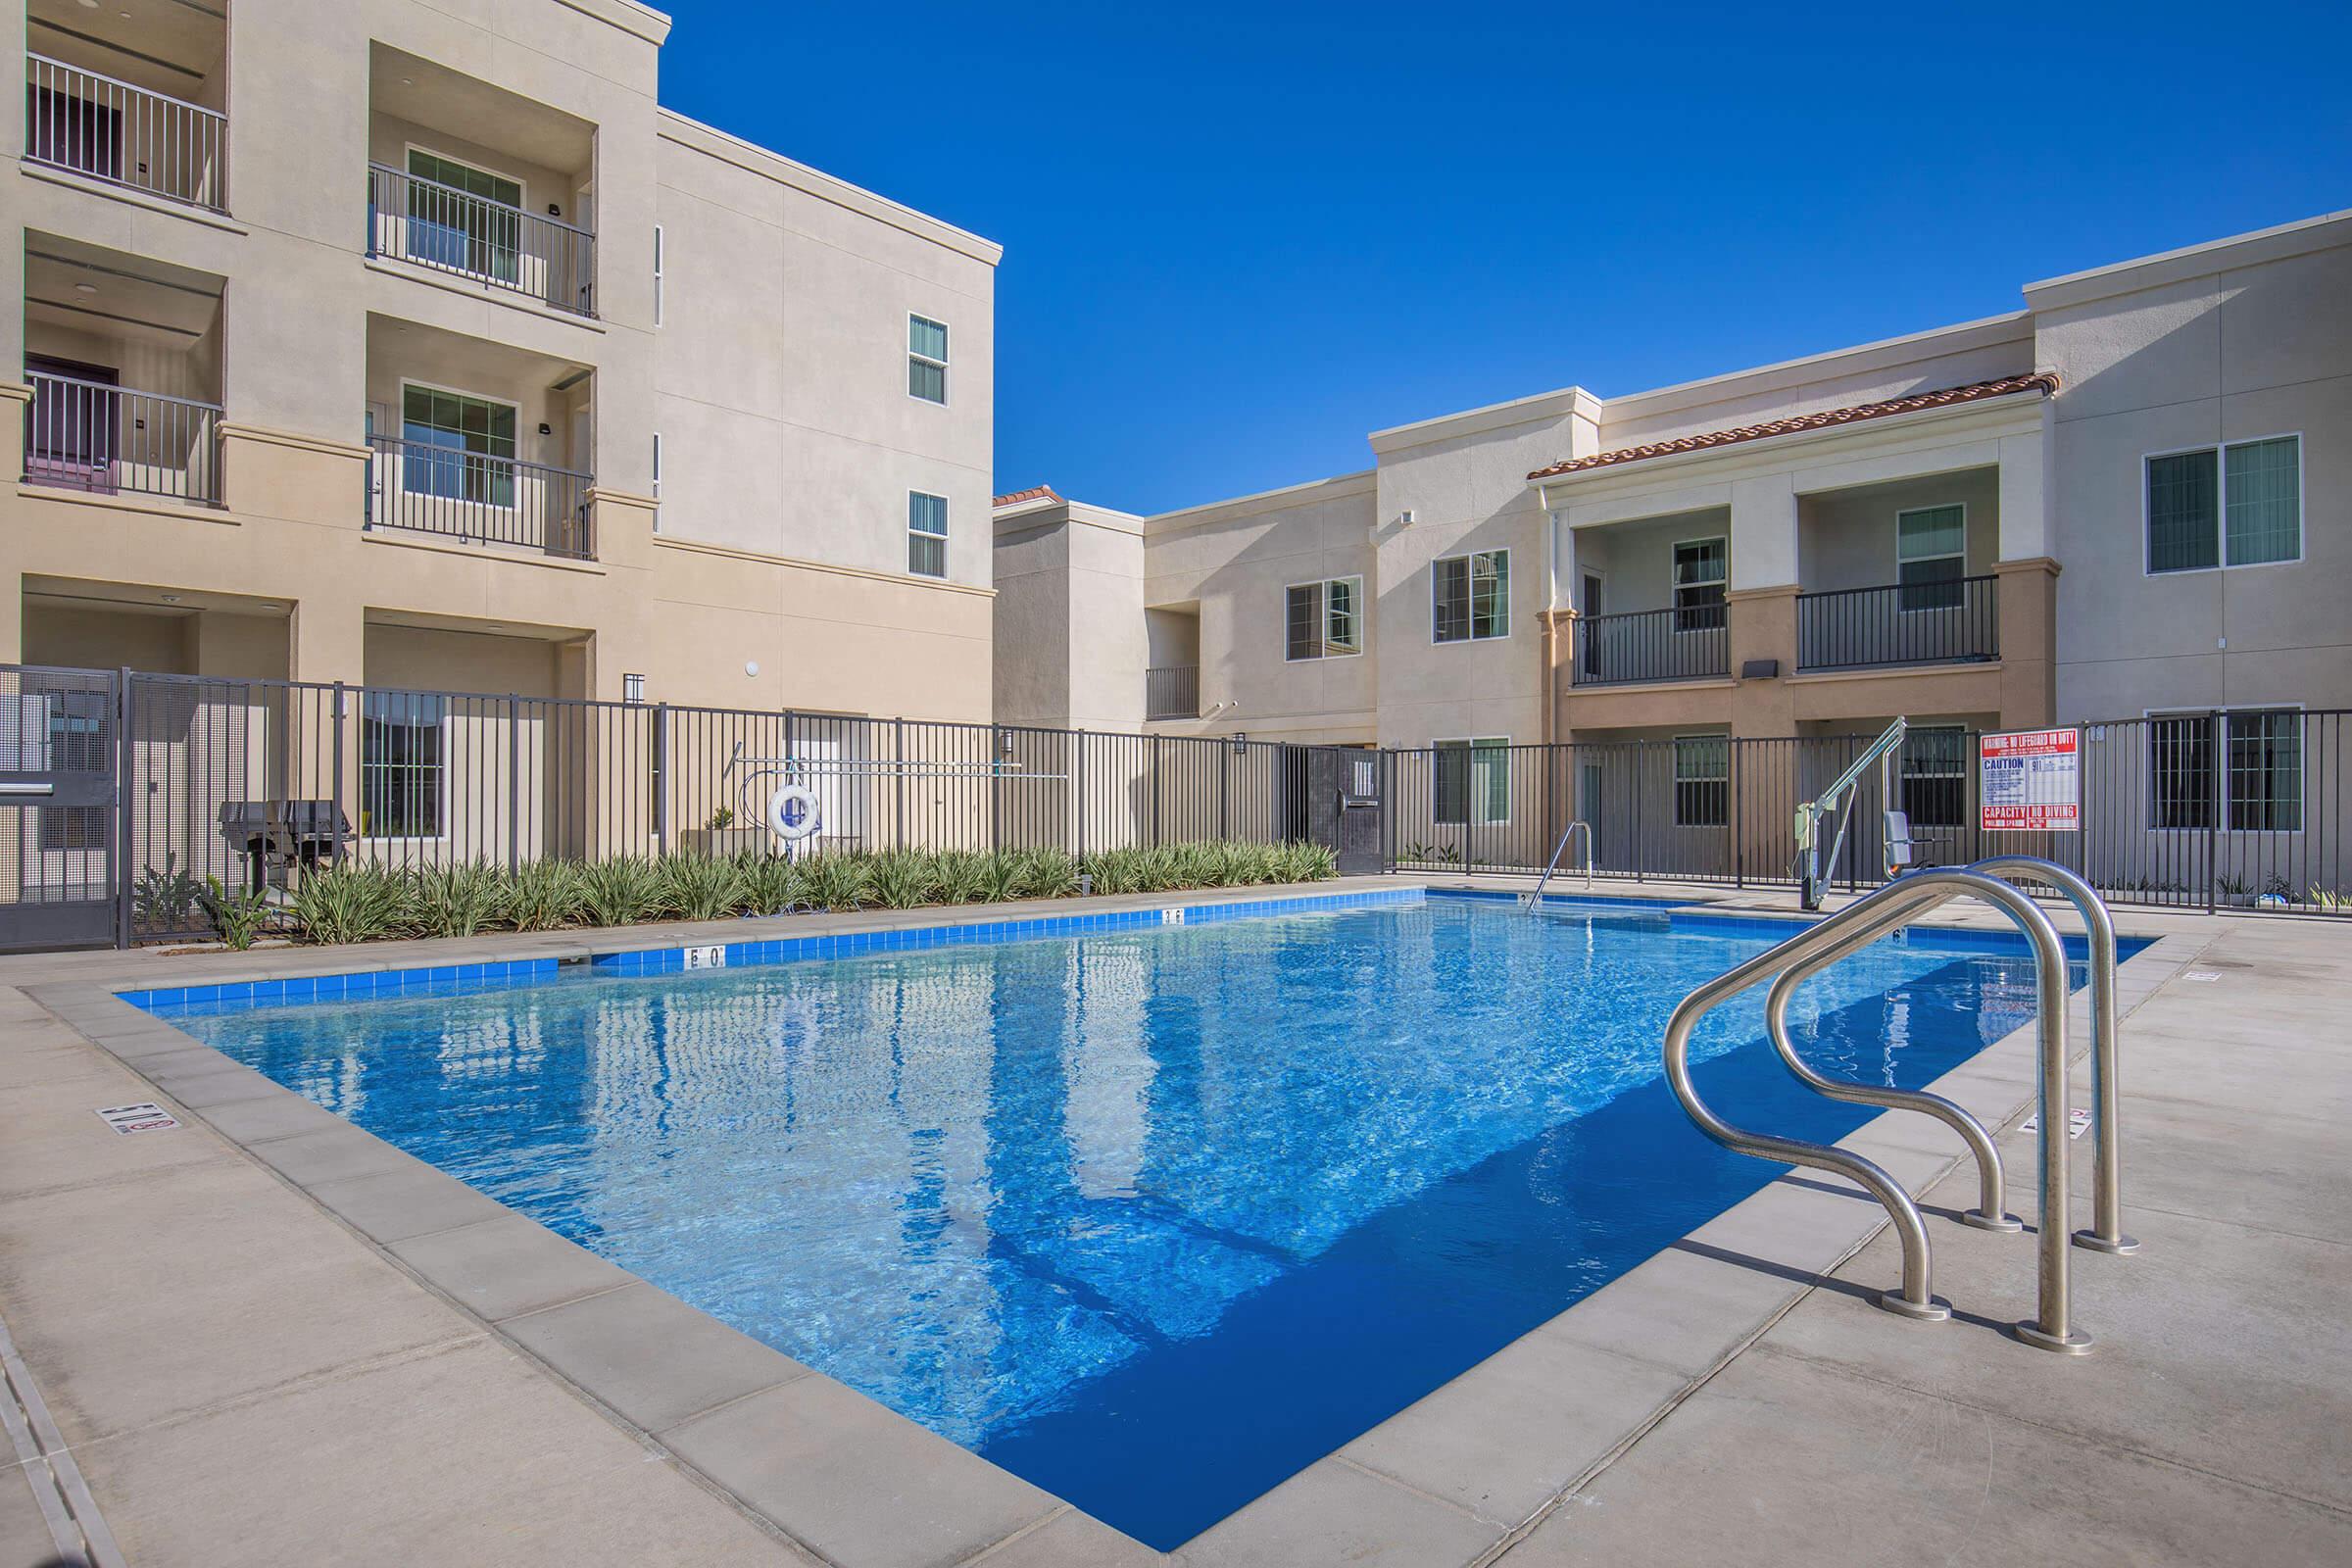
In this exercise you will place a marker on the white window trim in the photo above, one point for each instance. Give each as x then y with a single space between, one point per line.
400 413
1469 610
442 804
2221 749
1729 805
1474 743
1674 586
1323 613
913 534
947 382
659 259
2221 506
1960 555
1596 575
521 184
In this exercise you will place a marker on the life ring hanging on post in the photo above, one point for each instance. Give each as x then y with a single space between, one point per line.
794 812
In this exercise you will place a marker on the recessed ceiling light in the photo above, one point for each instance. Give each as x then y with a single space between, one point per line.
170 598
89 5
85 288
407 81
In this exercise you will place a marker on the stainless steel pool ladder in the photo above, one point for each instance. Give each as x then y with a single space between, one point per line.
1821 944
1534 900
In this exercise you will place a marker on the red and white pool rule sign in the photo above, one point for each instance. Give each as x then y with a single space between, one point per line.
144 1117
2032 781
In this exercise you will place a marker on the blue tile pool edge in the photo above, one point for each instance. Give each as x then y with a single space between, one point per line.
778 949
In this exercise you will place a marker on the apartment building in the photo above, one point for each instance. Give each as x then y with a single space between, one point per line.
2130 498
416 346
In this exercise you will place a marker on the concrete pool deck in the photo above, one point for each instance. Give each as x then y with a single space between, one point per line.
265 1337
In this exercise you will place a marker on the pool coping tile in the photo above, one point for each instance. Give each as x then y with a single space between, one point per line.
796 1449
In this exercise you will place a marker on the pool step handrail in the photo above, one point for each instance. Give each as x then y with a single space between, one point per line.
1534 900
1992 1212
2106 1233
2050 1327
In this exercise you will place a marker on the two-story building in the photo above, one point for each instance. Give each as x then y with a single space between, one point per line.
414 346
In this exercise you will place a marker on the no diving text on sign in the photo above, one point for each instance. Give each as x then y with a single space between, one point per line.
2032 781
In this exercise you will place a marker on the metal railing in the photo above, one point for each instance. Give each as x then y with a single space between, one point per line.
478 498
1954 622
1172 691
87 436
108 130
1692 643
499 246
1878 914
1534 897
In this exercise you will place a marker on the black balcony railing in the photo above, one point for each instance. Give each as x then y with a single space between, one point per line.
451 230
1687 644
1172 691
88 435
108 130
478 498
1955 621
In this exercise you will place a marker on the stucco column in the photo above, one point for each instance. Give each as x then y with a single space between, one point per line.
2028 605
268 472
2027 533
15 399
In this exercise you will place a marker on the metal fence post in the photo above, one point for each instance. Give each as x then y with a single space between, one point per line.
1078 791
1155 792
898 792
2218 747
1640 844
122 792
661 778
334 805
514 781
1738 768
1224 788
996 787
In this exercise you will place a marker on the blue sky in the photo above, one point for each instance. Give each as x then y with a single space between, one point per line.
1238 238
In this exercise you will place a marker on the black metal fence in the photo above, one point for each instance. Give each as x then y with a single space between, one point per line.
478 237
1688 643
1172 691
250 782
473 496
1943 622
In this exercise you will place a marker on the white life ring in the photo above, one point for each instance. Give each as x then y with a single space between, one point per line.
781 808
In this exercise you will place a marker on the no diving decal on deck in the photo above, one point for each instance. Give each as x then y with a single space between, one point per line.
144 1117
2032 781
2075 1120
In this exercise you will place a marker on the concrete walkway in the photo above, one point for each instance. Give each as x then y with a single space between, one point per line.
2212 1422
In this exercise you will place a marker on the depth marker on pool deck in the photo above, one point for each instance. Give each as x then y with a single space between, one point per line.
144 1117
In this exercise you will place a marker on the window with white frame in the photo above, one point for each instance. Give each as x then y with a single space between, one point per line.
1702 781
926 534
465 219
1930 557
1323 619
656 465
1472 782
1933 770
2259 789
1470 597
2239 504
403 765
1700 570
926 359
459 447
657 274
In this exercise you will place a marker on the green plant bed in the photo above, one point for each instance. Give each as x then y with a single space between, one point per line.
358 903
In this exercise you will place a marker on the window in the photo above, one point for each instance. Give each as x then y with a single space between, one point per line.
76 743
928 359
457 446
926 534
657 467
1470 597
657 274
1702 781
1700 570
463 218
1320 619
1934 778
2261 790
1473 777
2237 504
403 765
1930 557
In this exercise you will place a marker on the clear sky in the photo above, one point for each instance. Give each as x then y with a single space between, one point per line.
1237 238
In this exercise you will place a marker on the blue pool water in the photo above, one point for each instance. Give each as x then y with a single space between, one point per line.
1152 1218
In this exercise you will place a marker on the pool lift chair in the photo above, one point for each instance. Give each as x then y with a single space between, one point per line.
1881 913
1812 881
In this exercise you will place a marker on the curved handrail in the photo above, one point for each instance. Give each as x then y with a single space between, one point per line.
1534 900
2049 1329
1992 1212
2106 1233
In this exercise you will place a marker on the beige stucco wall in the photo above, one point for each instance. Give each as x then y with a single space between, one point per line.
777 377
1071 632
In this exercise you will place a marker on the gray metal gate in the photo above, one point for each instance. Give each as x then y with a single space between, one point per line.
1344 809
60 746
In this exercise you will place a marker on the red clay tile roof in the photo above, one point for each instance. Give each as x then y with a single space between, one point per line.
1043 492
2041 380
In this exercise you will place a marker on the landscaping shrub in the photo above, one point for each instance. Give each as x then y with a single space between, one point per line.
347 903
696 887
454 900
621 892
547 895
771 883
237 916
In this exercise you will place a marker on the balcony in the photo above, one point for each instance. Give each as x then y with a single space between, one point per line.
94 436
493 243
1690 643
428 487
109 129
1954 620
1172 691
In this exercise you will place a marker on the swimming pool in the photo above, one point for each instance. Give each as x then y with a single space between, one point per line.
1153 1217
